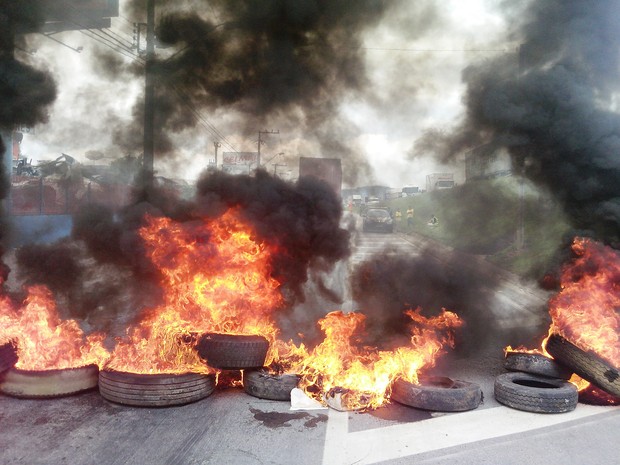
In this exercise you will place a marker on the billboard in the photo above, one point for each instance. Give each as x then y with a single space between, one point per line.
239 158
70 15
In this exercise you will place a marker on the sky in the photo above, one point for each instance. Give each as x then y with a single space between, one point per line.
413 57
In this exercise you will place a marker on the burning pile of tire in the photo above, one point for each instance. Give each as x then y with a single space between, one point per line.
35 384
154 390
248 353
42 384
588 365
540 384
219 351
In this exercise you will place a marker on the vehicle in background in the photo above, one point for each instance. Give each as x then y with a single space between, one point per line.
393 193
438 181
410 191
377 220
356 199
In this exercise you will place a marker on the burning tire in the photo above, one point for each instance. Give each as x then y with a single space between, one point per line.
8 356
595 396
536 364
33 384
588 365
233 351
532 393
437 394
154 390
262 384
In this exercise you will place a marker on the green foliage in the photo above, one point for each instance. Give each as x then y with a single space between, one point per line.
483 218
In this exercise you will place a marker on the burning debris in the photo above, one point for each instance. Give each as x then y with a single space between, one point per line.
226 271
585 312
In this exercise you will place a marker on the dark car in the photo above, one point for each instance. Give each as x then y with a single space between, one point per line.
378 220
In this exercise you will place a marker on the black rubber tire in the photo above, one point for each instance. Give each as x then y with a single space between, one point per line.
232 351
588 365
154 390
437 394
262 384
533 393
8 356
536 364
44 384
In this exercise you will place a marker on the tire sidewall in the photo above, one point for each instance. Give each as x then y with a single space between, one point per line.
460 397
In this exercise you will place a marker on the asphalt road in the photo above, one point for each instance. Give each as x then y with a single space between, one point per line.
231 427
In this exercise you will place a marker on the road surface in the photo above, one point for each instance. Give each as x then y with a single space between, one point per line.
231 427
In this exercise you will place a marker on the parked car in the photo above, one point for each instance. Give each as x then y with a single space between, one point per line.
378 220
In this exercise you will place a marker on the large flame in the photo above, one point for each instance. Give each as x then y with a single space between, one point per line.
43 340
364 374
216 278
586 310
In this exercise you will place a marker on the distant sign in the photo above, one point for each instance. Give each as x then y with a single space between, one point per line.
239 158
71 15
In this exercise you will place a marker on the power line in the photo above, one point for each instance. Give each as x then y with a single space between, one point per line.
126 53
460 50
185 98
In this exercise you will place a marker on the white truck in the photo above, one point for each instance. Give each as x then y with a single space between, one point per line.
438 181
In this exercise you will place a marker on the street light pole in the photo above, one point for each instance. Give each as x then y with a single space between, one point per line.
149 95
216 145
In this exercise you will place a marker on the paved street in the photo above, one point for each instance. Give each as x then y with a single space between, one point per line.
231 427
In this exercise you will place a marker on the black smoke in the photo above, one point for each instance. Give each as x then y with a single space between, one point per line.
388 284
25 92
102 273
553 104
302 220
266 62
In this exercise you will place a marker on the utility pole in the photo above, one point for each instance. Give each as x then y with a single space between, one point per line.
520 236
7 50
216 145
149 95
260 141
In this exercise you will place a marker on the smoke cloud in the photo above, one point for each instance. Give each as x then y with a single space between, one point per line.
553 105
302 220
102 273
24 91
388 284
261 64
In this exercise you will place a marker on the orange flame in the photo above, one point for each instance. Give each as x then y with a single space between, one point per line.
216 278
366 373
43 340
585 311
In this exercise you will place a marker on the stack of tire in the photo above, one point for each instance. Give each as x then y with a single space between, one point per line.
540 384
247 353
535 383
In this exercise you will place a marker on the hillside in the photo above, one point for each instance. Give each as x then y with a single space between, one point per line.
483 218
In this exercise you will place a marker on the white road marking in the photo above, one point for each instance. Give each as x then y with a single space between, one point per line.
407 439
